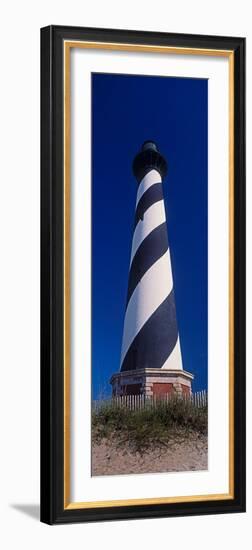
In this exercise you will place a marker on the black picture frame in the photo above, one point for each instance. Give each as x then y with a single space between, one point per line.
52 295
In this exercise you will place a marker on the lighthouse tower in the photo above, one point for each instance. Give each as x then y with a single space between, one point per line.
151 360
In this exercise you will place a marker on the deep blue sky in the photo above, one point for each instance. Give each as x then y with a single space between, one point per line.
126 111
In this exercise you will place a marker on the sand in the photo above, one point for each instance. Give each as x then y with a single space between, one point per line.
111 458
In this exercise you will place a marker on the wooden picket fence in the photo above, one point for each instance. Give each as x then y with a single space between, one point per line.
139 402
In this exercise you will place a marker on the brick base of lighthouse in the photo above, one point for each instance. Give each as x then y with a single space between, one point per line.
152 382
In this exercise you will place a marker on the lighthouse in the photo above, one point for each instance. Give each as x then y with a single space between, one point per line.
151 360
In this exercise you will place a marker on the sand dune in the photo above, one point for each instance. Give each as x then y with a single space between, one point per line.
111 458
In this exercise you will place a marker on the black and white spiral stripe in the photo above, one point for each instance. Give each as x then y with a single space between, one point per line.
150 336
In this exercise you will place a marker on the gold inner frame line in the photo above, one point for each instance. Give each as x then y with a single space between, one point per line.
68 45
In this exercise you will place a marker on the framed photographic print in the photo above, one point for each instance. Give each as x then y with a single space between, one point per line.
142 274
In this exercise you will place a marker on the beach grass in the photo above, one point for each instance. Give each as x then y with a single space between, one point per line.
167 423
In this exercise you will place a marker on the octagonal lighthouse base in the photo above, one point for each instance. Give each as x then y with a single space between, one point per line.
151 382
